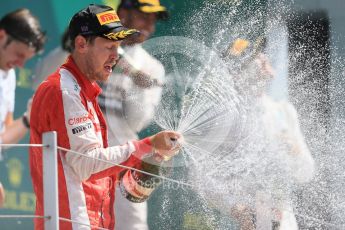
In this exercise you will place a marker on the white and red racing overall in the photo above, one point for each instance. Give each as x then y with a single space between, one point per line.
67 103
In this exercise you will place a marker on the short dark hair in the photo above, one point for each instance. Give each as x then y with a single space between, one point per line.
23 26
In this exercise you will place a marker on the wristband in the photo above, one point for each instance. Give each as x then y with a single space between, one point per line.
25 121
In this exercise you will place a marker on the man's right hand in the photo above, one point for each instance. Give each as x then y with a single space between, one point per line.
166 143
2 195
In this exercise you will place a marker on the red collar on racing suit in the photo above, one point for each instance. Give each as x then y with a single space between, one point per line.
91 89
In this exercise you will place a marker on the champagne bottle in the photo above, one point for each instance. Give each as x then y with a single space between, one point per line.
137 186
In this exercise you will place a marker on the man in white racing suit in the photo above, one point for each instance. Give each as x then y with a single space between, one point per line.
276 133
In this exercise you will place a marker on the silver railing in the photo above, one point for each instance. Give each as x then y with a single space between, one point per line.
50 186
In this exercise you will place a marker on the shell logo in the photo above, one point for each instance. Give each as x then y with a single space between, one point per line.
15 168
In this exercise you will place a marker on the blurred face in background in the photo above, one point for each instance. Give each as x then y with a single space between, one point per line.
13 53
262 76
144 22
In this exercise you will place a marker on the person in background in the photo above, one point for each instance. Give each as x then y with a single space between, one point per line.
279 127
21 38
131 95
67 103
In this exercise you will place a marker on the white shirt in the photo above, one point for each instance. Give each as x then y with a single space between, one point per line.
130 108
281 124
7 92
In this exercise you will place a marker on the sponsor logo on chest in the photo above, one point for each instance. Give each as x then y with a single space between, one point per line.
81 128
78 120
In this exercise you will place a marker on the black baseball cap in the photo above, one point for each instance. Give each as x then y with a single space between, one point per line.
146 6
99 20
